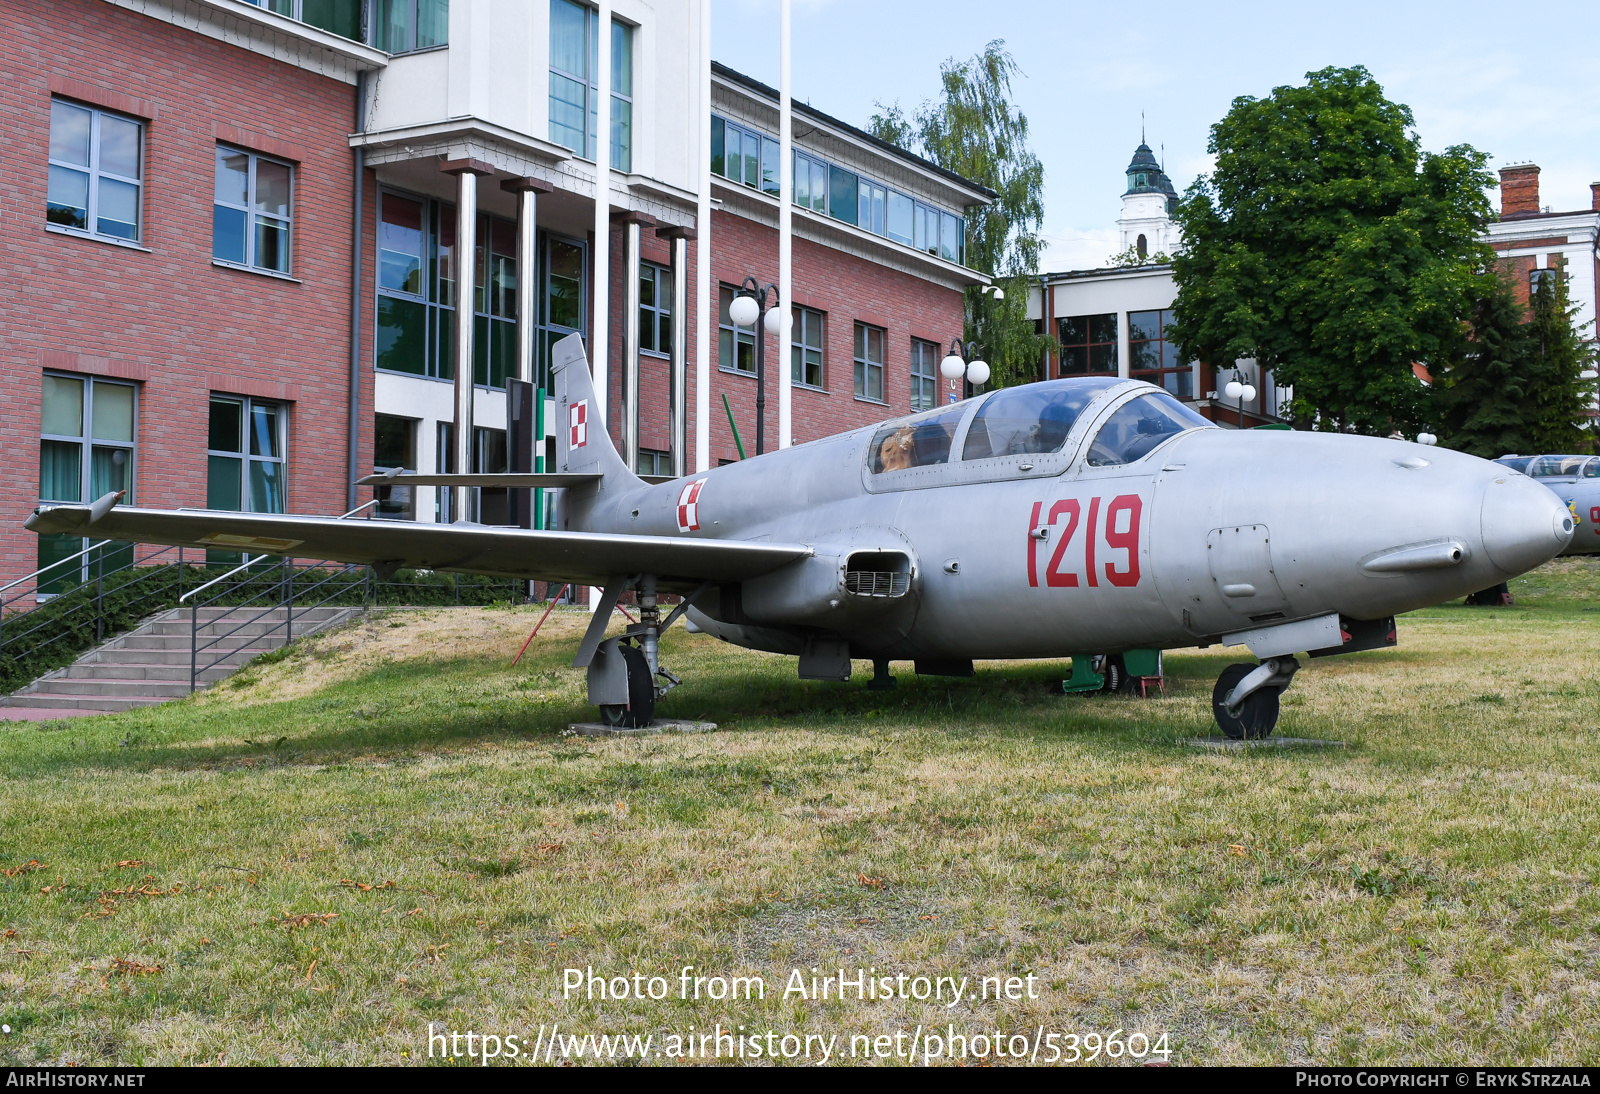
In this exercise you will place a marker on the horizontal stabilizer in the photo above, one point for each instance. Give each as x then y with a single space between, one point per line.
547 480
587 558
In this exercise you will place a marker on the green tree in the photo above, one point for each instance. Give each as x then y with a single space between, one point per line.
1558 356
1483 393
973 129
1515 382
1331 249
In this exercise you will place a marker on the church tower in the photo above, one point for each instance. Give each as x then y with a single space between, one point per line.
1146 223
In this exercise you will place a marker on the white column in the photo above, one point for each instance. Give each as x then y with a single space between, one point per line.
466 284
630 343
1124 350
704 291
785 239
601 265
527 191
680 346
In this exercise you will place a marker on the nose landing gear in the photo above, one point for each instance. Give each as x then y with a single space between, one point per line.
1245 700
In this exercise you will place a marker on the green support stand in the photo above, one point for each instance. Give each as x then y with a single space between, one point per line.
1083 677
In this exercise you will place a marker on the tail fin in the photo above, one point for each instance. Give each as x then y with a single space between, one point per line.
583 444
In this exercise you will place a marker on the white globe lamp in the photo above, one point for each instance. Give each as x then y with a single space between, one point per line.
978 372
774 321
744 311
1248 393
1233 390
1427 438
952 367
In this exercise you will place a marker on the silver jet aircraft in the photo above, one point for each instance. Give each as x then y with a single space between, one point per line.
1066 517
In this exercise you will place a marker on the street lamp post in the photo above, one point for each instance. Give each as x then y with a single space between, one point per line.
749 309
1242 392
960 361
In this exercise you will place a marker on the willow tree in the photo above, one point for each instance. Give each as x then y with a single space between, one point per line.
974 129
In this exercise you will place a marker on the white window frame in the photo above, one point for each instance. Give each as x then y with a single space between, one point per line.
862 364
622 150
251 215
246 402
799 325
92 200
927 380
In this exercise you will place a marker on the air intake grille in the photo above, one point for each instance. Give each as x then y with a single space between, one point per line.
877 583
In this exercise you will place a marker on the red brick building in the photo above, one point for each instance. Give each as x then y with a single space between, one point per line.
184 317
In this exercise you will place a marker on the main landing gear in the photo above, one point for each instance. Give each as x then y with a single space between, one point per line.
1245 700
625 675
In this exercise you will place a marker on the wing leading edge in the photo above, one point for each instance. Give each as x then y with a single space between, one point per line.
590 558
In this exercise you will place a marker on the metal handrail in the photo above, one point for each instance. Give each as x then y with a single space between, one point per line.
357 509
247 563
56 563
284 588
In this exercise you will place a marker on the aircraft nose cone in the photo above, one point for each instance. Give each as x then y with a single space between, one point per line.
1524 524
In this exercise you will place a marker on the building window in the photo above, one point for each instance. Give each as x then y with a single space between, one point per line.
251 218
86 451
574 82
736 346
805 365
96 165
1088 344
244 455
652 462
489 457
341 17
924 374
869 362
1538 279
1154 357
416 312
394 444
740 154
655 308
405 26
810 183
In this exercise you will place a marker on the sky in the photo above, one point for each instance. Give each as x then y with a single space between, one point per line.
1522 84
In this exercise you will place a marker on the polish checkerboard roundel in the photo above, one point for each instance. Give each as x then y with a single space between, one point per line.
689 506
578 419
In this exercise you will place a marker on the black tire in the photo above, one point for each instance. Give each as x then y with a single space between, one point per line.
1116 674
1257 716
641 709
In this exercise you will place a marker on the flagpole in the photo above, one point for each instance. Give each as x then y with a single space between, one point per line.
705 298
785 238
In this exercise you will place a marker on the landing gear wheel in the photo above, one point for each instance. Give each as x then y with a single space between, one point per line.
641 708
1116 675
1257 715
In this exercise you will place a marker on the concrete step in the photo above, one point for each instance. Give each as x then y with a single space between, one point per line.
103 703
176 656
65 687
176 670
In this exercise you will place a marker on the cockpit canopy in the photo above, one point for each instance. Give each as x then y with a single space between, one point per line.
1554 467
1032 418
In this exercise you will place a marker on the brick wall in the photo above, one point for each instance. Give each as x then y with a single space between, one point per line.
164 315
1519 190
844 288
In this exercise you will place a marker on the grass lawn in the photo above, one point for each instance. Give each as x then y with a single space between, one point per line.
388 827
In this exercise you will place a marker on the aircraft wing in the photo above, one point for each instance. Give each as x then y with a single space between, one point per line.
588 558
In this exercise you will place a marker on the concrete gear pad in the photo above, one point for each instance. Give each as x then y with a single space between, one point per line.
1230 744
655 728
